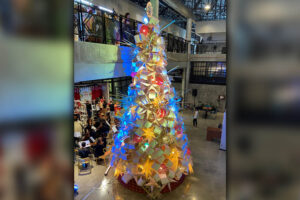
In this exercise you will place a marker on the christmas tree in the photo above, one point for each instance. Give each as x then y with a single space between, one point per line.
151 146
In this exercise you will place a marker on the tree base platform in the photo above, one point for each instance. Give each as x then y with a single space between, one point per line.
131 185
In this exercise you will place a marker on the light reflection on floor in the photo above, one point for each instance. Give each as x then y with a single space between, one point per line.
207 182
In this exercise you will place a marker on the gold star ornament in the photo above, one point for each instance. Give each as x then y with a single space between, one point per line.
148 133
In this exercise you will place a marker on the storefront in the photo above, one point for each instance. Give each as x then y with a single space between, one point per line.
114 88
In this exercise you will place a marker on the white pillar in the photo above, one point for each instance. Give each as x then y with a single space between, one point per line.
155 5
183 87
188 63
223 136
107 92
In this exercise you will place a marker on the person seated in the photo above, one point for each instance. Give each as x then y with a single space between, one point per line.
98 148
76 145
104 140
112 107
106 119
103 127
86 135
92 136
83 151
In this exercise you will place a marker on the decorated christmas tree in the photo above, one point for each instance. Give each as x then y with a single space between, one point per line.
151 147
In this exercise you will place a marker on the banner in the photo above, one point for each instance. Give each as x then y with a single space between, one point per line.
86 94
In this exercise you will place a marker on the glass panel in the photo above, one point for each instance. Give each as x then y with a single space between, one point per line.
112 30
208 72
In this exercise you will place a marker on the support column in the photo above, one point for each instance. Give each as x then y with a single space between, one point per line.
188 63
155 5
107 91
183 87
188 38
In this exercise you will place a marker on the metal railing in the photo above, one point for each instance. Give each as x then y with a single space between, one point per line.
94 25
216 47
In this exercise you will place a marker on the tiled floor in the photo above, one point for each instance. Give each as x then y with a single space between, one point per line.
207 183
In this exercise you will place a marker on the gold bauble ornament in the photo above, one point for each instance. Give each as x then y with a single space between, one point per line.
165 139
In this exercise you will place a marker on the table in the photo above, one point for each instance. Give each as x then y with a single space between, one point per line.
213 133
207 109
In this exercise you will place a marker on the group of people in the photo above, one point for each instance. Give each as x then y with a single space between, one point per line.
99 105
91 137
196 115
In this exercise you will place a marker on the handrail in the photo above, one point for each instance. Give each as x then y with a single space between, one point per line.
94 25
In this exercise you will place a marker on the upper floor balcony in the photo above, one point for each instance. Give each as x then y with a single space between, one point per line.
97 26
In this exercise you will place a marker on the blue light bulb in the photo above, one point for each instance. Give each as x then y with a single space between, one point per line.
145 20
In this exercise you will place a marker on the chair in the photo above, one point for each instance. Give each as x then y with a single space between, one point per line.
92 158
84 165
213 113
99 159
107 152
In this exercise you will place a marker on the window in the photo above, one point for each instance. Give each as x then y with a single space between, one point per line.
176 75
117 87
120 86
208 72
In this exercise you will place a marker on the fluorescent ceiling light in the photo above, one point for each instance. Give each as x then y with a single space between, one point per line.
84 2
105 9
207 7
90 4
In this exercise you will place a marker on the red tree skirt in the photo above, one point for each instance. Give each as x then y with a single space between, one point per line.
131 185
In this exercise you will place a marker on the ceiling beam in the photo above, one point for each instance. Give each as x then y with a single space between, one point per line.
197 4
163 10
181 8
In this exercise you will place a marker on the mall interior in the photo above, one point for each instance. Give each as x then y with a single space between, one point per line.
194 35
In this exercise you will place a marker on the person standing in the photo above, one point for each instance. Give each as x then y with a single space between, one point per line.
196 112
101 104
89 109
78 128
112 108
126 27
90 128
108 110
104 104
